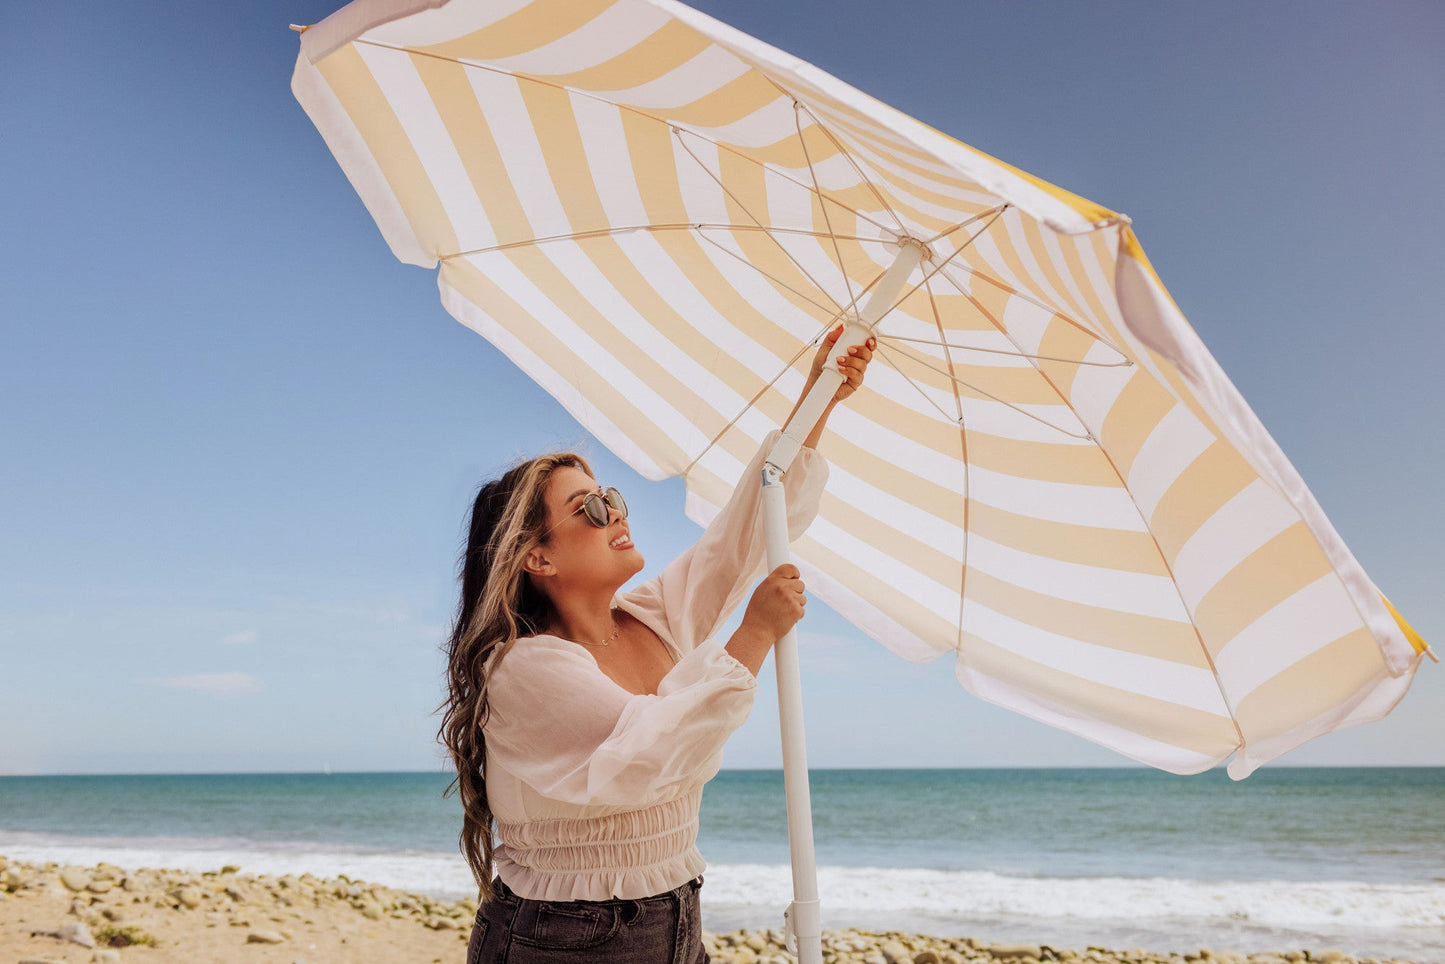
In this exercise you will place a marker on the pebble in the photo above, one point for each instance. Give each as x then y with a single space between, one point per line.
99 886
76 932
265 937
896 953
1004 952
74 878
105 955
189 896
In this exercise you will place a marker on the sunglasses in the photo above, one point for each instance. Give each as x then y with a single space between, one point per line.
598 507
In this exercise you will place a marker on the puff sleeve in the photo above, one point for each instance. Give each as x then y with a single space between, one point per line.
699 589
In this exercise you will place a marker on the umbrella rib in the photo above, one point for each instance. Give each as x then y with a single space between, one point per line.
857 168
963 458
1163 559
757 395
1015 292
917 387
938 323
928 242
628 229
736 200
591 95
1012 354
777 281
822 204
998 324
955 253
1002 401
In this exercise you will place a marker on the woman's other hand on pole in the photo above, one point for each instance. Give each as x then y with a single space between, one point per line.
776 606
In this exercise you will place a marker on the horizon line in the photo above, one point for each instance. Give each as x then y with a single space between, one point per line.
329 772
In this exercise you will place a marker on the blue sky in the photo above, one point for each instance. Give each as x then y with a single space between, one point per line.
239 438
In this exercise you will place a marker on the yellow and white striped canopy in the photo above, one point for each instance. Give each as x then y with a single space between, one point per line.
1047 475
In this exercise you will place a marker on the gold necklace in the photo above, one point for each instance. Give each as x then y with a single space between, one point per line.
616 628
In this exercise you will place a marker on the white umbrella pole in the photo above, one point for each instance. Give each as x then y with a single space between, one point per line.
803 920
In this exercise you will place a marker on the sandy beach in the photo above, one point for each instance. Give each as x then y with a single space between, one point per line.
50 912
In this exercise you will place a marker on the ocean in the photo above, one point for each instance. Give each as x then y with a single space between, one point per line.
1290 858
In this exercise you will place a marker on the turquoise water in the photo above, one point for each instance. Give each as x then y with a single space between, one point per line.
1295 824
1385 824
1289 857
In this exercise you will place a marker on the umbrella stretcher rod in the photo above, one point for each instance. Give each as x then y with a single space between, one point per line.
803 919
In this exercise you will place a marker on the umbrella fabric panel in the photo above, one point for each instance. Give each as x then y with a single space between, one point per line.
656 217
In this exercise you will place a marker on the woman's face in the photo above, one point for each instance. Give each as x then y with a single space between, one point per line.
581 554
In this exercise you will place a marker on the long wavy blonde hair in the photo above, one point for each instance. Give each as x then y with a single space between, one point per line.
499 604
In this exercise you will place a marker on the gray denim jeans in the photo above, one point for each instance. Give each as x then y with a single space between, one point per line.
665 929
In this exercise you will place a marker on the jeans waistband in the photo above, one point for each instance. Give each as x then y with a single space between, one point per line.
682 892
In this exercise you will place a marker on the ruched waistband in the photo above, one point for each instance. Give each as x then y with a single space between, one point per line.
631 854
618 841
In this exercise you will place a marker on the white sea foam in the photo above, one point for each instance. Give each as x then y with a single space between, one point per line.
970 895
973 894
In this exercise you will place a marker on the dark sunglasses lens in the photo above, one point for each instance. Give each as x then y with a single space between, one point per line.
596 510
614 499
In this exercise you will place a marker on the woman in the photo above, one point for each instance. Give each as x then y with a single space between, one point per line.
583 722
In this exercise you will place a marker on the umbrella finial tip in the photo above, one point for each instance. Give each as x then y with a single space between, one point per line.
300 27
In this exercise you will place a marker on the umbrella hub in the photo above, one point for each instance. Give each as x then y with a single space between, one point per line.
904 241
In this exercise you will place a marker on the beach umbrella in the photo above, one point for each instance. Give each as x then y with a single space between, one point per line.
1048 477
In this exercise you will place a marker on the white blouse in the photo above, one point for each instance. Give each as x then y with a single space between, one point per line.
595 789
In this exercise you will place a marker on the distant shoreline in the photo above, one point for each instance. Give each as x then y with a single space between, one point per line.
1123 768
